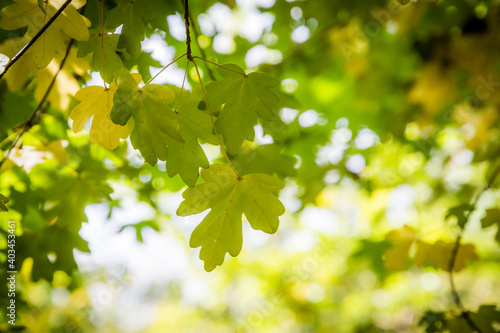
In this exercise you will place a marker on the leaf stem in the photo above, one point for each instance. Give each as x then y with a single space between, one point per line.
216 64
182 86
25 48
212 120
40 108
175 60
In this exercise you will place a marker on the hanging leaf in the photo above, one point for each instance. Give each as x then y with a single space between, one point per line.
103 51
397 256
98 101
186 158
461 212
439 255
154 122
229 197
131 14
245 98
492 217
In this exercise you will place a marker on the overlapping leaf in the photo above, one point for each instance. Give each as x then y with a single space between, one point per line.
103 51
3 201
155 124
229 197
97 101
186 158
27 13
65 86
492 217
244 98
437 254
264 159
397 256
132 15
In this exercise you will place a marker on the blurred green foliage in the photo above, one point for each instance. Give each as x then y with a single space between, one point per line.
388 142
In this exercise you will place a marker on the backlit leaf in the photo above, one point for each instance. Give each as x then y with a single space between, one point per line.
102 51
52 42
397 256
154 122
132 15
245 98
186 158
492 217
229 198
439 255
97 102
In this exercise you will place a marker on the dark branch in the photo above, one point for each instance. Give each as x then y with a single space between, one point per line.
40 108
35 38
456 297
188 34
202 51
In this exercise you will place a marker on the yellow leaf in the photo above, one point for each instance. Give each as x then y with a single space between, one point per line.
439 255
433 89
466 252
98 101
27 13
404 234
65 86
19 73
397 256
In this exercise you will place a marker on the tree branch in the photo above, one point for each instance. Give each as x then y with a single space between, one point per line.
188 34
25 48
456 297
202 51
40 108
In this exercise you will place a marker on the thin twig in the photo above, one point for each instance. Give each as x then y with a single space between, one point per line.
35 38
456 297
182 86
213 122
173 61
30 122
216 64
202 50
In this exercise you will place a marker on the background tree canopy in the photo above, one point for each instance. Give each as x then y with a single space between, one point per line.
363 135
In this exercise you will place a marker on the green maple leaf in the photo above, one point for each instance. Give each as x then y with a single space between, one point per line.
186 158
155 124
461 212
102 51
3 201
229 197
245 99
132 15
485 318
492 217
264 159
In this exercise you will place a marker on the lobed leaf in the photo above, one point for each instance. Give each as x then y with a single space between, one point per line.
155 124
229 197
244 98
97 102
